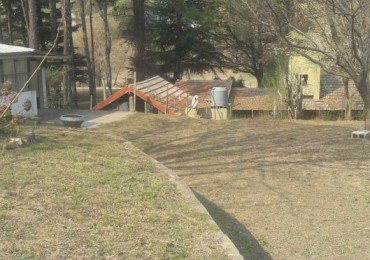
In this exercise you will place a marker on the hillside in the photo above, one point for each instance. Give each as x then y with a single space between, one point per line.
86 194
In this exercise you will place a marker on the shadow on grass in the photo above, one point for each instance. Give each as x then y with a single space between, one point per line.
247 245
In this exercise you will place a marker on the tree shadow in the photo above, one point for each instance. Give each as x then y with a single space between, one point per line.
247 245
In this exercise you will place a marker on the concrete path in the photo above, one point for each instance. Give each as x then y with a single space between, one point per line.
92 118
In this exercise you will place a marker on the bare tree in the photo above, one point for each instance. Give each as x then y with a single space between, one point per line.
103 9
248 42
53 21
33 39
8 7
68 84
293 97
92 43
139 38
92 87
335 35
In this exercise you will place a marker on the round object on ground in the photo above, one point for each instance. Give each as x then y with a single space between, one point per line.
72 120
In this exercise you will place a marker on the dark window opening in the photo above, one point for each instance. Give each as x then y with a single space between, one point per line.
303 79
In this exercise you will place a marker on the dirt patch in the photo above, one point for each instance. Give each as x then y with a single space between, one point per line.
279 189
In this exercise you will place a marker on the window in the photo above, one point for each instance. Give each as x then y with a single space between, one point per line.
15 71
303 79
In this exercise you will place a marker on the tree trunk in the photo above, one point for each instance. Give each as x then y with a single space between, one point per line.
259 78
363 87
348 109
10 22
1 30
33 41
108 46
53 22
67 51
92 88
92 43
139 38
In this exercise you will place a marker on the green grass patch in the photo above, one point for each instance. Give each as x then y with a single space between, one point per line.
81 194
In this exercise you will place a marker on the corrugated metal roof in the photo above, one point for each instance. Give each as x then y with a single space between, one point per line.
164 91
166 95
12 49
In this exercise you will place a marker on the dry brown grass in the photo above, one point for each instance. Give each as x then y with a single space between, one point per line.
279 189
80 194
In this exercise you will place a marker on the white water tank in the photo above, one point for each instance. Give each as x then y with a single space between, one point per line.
219 97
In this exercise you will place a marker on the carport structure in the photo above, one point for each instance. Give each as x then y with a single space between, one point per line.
156 93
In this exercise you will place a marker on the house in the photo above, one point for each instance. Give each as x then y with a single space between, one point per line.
323 91
16 65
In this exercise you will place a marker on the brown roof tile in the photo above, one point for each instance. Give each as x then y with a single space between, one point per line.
252 99
332 95
202 88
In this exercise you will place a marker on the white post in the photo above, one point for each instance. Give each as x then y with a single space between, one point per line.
104 90
135 91
167 101
44 91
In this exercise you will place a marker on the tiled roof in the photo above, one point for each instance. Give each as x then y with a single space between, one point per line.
11 49
202 88
332 95
252 99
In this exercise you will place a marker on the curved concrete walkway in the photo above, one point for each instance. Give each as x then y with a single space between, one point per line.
92 118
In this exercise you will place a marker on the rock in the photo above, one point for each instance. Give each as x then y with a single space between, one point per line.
26 139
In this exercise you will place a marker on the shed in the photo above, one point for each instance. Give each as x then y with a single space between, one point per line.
203 88
16 65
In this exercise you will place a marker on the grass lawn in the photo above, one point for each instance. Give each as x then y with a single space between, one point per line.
84 194
278 189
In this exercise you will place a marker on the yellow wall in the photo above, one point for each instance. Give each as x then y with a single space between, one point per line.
219 113
191 112
300 65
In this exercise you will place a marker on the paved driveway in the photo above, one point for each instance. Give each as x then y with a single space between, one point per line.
92 118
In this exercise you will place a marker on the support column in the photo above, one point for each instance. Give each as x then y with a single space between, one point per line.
131 102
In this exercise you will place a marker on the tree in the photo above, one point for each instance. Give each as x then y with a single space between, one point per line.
33 34
69 87
181 37
248 43
336 36
53 21
103 10
92 87
8 5
92 43
13 28
139 38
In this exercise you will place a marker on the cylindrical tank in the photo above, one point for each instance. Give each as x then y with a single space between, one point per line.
219 97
